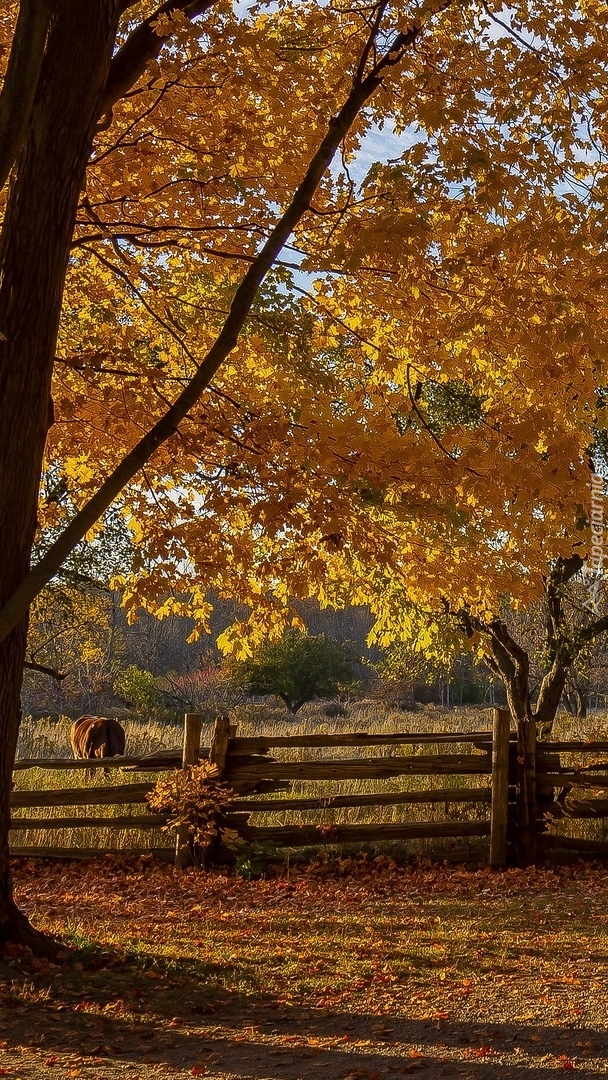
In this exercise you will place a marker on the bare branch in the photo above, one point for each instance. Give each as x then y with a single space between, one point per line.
600 626
44 670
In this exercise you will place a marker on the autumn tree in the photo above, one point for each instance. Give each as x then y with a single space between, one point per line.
74 647
157 108
75 637
431 651
570 628
206 322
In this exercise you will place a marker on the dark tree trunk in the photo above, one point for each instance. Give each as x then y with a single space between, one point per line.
582 704
511 663
579 700
550 694
34 251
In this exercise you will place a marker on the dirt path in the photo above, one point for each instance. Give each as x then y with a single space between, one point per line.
371 972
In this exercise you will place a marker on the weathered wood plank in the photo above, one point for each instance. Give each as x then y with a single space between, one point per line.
193 723
389 798
526 811
362 768
220 742
500 787
158 760
126 821
574 843
304 835
101 796
572 747
166 760
87 763
162 854
259 743
546 765
570 777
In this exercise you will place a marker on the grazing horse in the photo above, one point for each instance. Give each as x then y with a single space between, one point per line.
97 737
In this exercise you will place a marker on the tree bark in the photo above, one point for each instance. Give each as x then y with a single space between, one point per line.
511 663
21 80
582 703
34 251
550 694
518 697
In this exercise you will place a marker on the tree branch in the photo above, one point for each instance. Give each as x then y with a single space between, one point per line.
142 45
506 653
563 647
244 297
44 670
588 633
21 80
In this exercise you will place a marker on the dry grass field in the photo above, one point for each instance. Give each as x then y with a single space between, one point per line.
49 737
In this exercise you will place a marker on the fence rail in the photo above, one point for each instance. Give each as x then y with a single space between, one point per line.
246 764
126 821
359 768
383 798
252 744
161 759
311 835
163 854
118 794
90 763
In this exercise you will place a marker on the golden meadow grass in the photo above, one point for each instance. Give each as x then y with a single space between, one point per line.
49 737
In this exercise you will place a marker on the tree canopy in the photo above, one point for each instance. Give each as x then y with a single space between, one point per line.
445 316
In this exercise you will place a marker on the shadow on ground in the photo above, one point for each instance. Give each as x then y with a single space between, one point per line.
106 1016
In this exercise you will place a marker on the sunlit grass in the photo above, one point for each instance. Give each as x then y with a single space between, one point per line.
49 737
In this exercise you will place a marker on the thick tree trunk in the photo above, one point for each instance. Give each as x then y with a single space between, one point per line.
34 251
582 704
510 661
550 695
12 652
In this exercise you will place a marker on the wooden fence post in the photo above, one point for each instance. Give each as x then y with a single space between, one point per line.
527 810
190 755
500 787
223 732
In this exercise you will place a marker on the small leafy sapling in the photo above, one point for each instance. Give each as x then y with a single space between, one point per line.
195 798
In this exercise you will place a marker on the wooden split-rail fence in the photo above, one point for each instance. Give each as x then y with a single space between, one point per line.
259 780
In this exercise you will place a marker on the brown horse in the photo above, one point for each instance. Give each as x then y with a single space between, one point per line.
97 737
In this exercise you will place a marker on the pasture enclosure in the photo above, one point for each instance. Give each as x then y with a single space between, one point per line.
475 776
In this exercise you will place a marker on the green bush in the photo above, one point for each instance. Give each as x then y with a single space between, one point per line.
138 688
297 669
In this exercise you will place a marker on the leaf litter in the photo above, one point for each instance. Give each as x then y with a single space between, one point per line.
345 968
